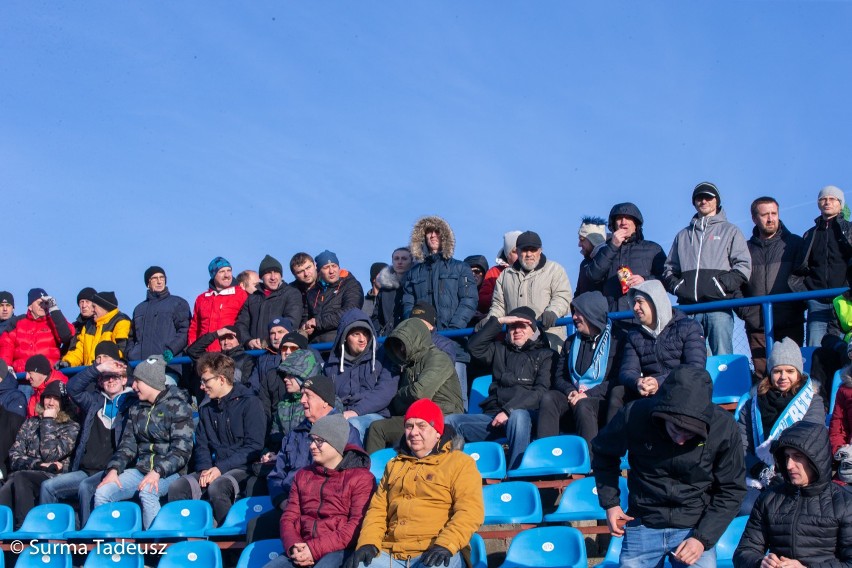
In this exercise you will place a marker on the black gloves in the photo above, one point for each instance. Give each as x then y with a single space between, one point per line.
62 365
438 555
548 318
364 555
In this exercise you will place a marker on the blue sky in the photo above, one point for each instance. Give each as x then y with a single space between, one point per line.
164 133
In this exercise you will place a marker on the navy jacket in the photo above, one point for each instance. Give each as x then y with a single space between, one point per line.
160 322
11 398
447 284
327 304
230 431
644 258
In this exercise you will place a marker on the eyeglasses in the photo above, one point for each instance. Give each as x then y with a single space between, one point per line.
317 441
289 349
208 379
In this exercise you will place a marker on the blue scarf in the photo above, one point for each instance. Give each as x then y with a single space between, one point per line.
795 411
596 372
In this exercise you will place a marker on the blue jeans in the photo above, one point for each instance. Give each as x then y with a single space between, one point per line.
819 315
73 485
385 560
130 480
477 427
645 547
718 329
361 423
330 560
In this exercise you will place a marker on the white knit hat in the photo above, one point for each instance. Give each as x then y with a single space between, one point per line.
832 191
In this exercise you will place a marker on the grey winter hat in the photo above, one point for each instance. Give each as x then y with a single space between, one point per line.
833 191
785 352
707 188
334 429
152 372
509 241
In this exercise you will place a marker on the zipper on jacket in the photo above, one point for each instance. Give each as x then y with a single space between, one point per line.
698 260
147 422
314 529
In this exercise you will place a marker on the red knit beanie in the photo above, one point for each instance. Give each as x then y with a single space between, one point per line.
425 409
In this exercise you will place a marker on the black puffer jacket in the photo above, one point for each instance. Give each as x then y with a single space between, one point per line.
811 524
327 304
261 309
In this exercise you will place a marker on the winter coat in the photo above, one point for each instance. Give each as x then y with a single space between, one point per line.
230 431
818 267
112 326
772 263
160 322
82 388
840 428
243 362
328 303
10 424
486 291
326 506
157 436
214 309
387 312
709 260
44 440
811 524
364 384
30 336
427 372
436 499
35 397
698 485
11 398
521 375
259 309
265 362
294 455
439 279
562 380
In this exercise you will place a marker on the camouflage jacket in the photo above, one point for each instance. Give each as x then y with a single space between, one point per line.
287 415
44 440
157 436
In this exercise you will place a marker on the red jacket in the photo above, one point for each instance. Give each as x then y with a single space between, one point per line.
326 507
36 396
486 292
213 311
840 428
32 336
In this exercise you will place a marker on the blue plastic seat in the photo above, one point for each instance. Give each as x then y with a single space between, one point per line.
728 542
260 552
489 457
97 558
731 377
378 461
554 455
111 520
613 553
478 393
808 358
835 386
511 502
45 522
6 521
740 404
579 502
478 556
192 554
625 462
547 547
240 514
180 519
27 560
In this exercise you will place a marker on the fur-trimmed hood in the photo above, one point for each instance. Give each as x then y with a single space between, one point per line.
387 279
419 250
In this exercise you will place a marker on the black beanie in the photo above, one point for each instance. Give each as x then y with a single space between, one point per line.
526 313
152 270
268 264
109 349
106 300
707 188
323 387
37 364
55 389
294 337
86 294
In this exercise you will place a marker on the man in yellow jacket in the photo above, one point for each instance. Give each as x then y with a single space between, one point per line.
429 501
110 325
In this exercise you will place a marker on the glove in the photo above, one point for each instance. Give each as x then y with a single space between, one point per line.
437 555
548 318
168 356
62 365
363 555
51 303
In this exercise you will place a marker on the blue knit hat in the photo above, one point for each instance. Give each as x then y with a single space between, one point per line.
217 264
325 257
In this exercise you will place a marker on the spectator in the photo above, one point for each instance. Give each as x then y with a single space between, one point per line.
155 446
373 293
522 369
219 306
840 427
442 494
303 267
807 520
592 236
108 324
506 257
104 399
479 266
228 438
388 312
7 310
361 372
42 449
277 329
774 251
229 344
336 293
40 374
281 392
426 313
327 501
626 259
272 299
86 318
13 411
679 505
248 281
708 261
42 331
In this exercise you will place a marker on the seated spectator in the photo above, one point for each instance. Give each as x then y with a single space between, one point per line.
588 364
40 374
42 331
272 299
522 369
7 310
426 313
361 372
591 238
388 311
807 519
840 428
336 292
427 372
429 500
478 267
228 438
13 411
785 396
219 306
108 324
281 390
104 399
42 449
229 344
328 499
271 356
156 444
373 293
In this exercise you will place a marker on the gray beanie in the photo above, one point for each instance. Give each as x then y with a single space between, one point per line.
334 429
785 352
509 241
152 372
833 191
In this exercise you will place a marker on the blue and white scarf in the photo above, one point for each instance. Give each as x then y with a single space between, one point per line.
596 372
795 411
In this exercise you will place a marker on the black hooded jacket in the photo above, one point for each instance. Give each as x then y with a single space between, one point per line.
811 524
698 485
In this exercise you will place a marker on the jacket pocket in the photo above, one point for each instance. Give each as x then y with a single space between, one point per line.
719 287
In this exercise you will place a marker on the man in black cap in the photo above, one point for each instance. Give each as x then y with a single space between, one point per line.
7 310
272 298
109 325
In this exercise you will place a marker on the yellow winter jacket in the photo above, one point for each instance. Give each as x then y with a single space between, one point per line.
112 326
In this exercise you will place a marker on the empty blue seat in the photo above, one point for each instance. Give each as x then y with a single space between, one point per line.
478 393
728 542
98 558
180 519
192 554
731 377
28 560
555 455
547 547
240 514
489 457
808 358
260 552
613 553
478 556
511 502
44 522
6 522
579 502
111 520
378 461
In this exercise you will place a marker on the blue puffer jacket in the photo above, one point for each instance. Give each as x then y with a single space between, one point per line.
363 384
231 429
160 322
11 398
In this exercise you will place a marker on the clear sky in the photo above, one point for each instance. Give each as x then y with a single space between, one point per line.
140 133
